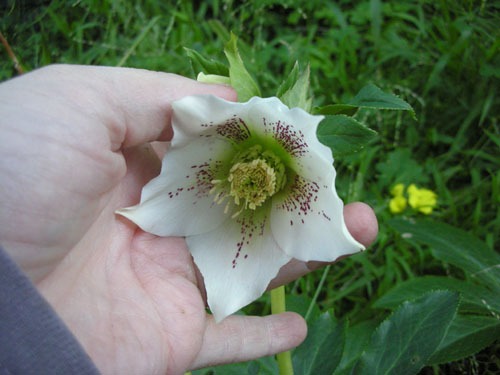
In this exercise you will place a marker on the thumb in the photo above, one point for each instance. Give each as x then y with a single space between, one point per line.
134 104
243 338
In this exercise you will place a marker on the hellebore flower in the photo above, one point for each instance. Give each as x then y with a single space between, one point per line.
250 187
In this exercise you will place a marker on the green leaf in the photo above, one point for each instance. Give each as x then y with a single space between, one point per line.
467 335
287 84
261 366
344 135
415 288
213 78
322 350
241 80
299 303
219 29
357 337
336 109
298 95
232 369
207 66
371 96
404 342
454 246
400 167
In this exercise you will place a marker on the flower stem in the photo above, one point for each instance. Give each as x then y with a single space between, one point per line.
278 306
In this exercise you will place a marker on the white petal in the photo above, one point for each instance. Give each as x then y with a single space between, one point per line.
237 261
308 222
295 130
206 116
177 202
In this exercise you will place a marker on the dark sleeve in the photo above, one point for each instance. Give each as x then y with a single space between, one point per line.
33 339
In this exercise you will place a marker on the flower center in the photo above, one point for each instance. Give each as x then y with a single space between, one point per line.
255 176
252 182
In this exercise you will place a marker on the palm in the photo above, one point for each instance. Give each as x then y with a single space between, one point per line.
141 290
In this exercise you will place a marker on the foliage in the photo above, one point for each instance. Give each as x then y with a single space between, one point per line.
441 57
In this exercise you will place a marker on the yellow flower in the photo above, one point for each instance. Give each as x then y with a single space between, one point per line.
423 200
398 203
398 190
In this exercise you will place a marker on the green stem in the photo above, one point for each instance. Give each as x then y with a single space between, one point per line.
278 306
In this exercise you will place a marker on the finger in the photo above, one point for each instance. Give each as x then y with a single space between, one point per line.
361 223
160 148
143 164
242 338
134 104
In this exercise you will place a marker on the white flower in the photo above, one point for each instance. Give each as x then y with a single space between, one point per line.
250 187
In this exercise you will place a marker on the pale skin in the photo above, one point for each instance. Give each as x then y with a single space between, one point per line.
74 148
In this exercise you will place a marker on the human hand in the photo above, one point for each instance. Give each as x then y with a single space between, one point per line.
74 148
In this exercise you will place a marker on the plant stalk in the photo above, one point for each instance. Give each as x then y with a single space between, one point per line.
278 306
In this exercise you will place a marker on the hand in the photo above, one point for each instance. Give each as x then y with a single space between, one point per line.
74 148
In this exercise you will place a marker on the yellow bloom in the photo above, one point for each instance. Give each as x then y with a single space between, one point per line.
423 200
397 204
398 190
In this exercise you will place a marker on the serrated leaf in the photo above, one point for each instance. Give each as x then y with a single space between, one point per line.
288 83
344 135
321 351
415 288
404 342
298 94
356 339
207 66
467 335
241 80
455 246
371 96
336 109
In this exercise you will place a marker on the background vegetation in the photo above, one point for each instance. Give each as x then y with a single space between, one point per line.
440 56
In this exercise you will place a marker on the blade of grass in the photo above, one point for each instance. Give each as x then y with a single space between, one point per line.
138 40
318 290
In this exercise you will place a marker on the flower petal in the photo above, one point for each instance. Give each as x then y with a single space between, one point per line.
178 202
207 116
308 222
237 261
295 130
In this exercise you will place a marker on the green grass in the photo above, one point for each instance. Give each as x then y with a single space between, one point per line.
442 57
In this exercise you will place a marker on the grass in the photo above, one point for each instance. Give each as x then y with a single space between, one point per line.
442 57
